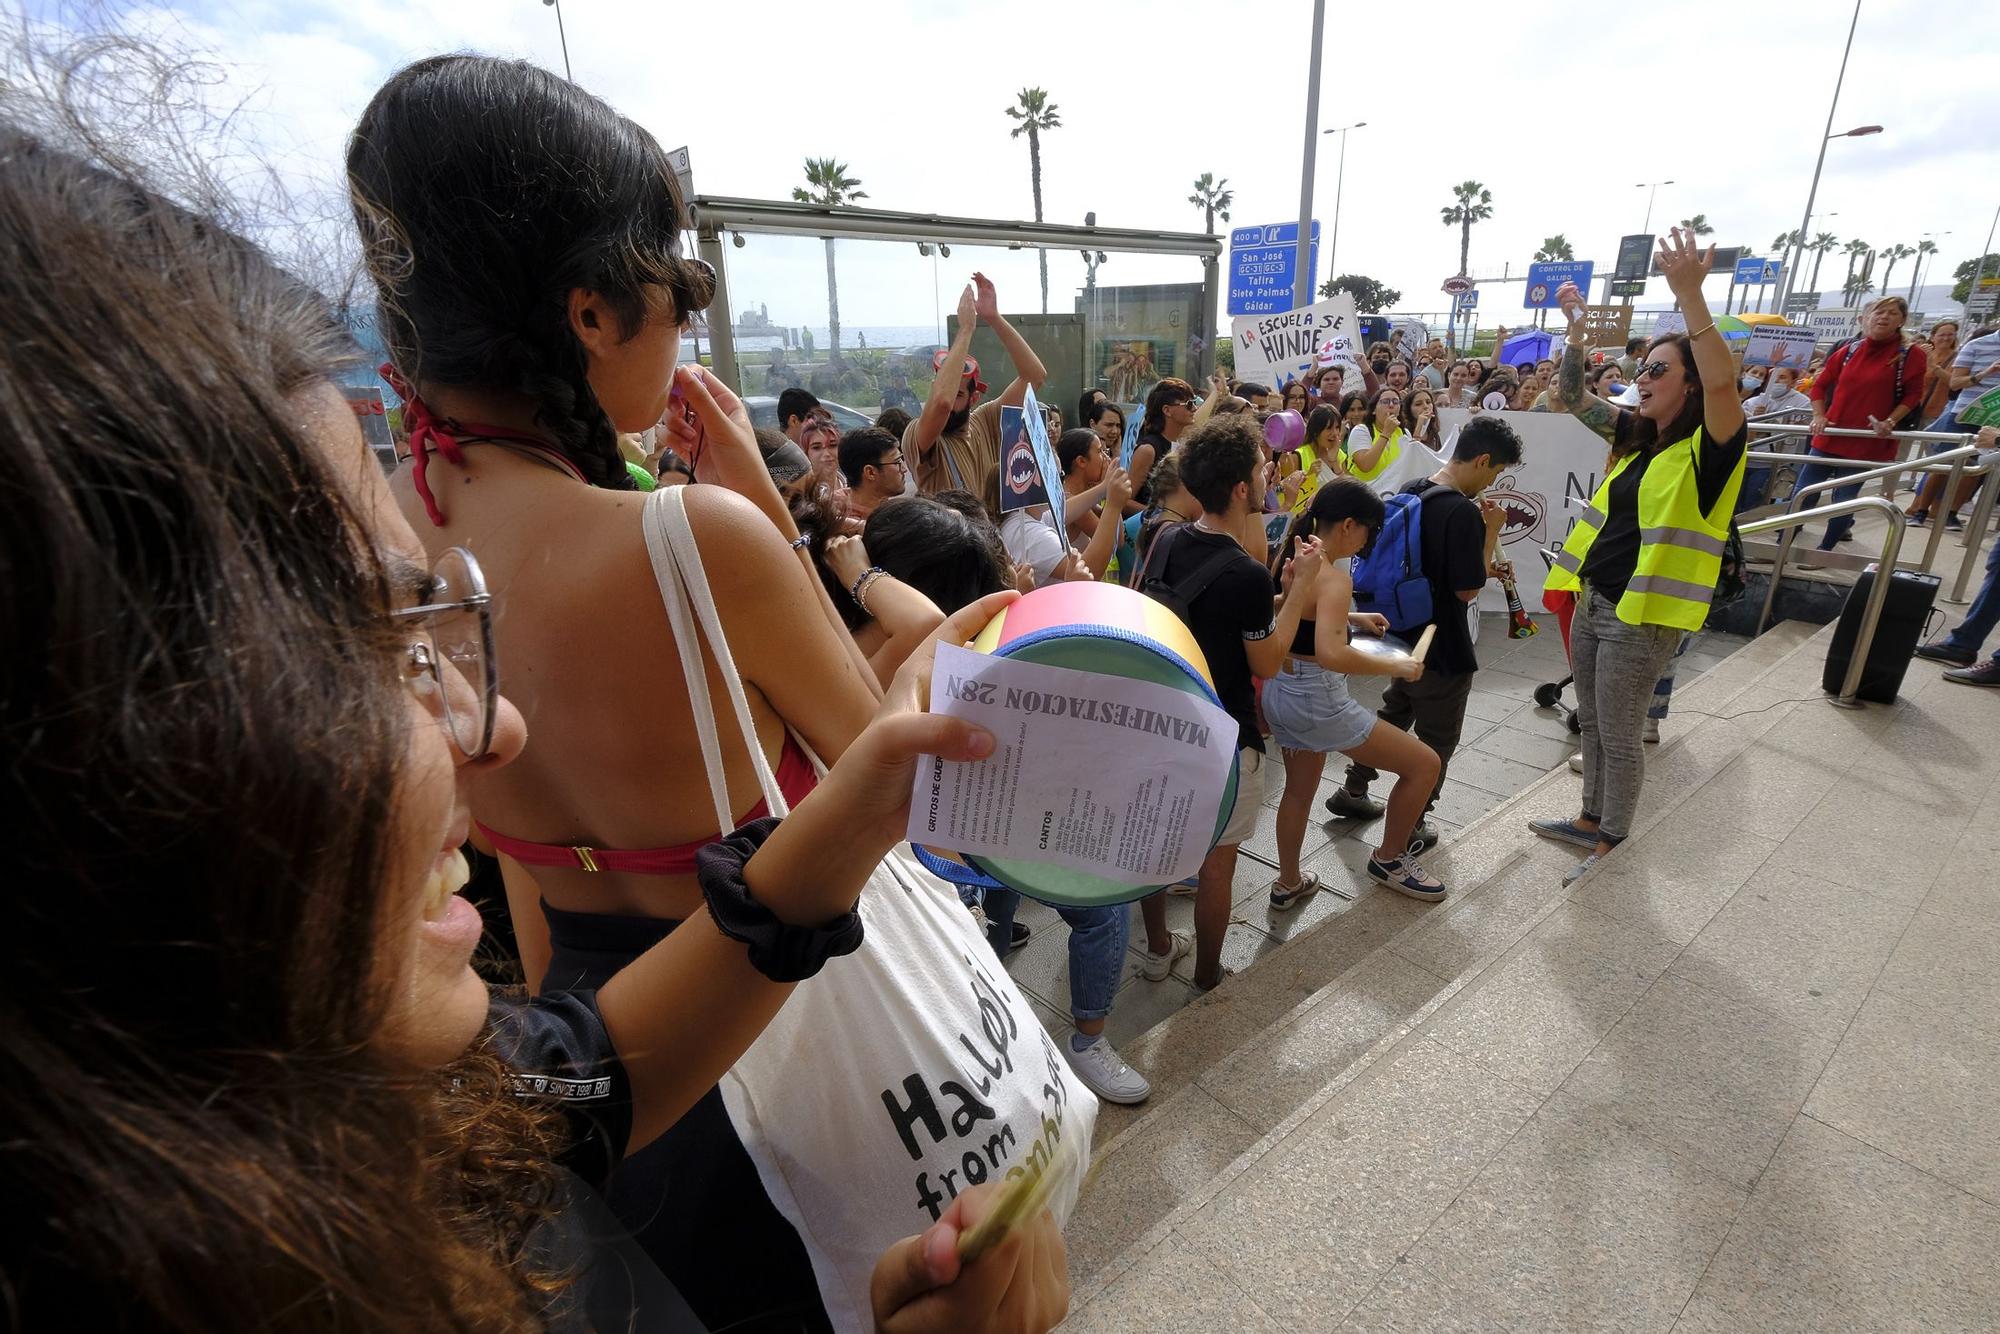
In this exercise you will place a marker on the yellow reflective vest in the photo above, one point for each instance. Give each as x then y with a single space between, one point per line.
1384 463
1308 478
1680 547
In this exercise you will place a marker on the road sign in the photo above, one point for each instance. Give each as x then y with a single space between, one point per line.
1798 303
1469 299
1545 278
1457 285
1750 271
1264 269
683 171
1833 325
1774 269
1606 326
1983 302
1628 287
1634 252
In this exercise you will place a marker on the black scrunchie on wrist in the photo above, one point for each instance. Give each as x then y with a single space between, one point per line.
781 952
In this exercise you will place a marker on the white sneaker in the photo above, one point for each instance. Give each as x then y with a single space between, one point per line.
1157 967
1652 733
1104 1072
1576 763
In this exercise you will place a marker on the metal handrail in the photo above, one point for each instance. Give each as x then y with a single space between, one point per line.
1956 457
1878 592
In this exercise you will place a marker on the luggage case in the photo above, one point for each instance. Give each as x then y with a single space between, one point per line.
1904 611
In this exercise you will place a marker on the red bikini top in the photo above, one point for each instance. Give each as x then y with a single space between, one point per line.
446 435
796 777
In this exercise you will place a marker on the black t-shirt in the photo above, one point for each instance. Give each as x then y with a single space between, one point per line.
1454 558
557 1048
1238 606
1614 553
1142 487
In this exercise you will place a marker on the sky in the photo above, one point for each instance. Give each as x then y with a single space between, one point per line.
1558 108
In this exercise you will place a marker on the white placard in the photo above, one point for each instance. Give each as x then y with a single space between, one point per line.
1774 346
1830 326
1274 350
1120 778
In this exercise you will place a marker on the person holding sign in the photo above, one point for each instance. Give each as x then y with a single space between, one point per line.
1312 714
1645 556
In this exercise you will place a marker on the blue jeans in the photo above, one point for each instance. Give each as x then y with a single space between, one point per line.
1097 939
1814 473
1983 614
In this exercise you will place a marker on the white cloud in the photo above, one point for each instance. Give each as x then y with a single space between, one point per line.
1559 108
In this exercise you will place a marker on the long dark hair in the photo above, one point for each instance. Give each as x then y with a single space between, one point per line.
488 190
1169 390
1642 433
202 733
1337 498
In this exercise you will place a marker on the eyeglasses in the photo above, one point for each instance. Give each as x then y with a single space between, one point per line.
1653 370
452 668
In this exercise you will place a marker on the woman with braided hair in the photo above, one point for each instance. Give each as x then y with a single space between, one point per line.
524 238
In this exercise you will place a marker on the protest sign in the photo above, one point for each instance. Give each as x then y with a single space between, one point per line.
1830 326
1985 410
1029 473
1772 345
1112 776
1134 418
1274 350
1606 326
1669 322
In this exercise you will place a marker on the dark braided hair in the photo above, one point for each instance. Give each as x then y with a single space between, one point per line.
486 192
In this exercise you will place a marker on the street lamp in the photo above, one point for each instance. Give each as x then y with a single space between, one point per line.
1793 261
1340 178
1306 166
1654 188
557 6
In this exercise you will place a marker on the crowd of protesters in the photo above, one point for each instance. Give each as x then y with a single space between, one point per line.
249 938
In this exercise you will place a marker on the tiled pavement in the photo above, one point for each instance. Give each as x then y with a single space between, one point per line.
1738 1079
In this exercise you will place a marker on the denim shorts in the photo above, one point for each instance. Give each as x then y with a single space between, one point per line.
1309 708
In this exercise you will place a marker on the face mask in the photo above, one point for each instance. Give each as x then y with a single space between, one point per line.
1751 382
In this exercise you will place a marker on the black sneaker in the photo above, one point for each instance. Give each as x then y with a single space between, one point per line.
1953 524
1941 651
1346 805
1984 674
1018 935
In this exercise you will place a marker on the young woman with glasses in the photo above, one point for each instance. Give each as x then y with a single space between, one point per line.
1374 445
254 1082
1645 557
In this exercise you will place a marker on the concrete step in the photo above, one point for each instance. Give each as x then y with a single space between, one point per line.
1239 1065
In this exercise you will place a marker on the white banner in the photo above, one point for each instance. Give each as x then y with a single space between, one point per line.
1562 463
1831 326
1274 350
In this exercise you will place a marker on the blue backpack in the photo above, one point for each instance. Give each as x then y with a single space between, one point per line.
1389 576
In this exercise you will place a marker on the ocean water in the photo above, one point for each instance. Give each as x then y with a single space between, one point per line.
891 336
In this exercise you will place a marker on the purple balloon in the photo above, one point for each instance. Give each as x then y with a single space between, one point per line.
1284 430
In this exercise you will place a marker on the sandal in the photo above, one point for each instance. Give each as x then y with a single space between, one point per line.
1284 899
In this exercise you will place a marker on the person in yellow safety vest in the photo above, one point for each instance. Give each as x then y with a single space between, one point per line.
1645 555
1374 446
1319 458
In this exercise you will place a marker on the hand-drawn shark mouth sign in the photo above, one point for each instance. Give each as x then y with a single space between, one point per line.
1021 466
1524 511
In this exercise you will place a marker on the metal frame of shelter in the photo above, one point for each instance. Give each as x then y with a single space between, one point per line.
716 217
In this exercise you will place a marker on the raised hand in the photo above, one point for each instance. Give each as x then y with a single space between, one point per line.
1571 301
847 558
1682 263
987 302
1117 491
968 308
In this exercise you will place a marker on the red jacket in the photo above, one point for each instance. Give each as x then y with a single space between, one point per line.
1859 382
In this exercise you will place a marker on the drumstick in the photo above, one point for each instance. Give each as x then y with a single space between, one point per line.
1423 643
1020 1201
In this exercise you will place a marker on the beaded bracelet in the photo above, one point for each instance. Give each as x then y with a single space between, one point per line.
860 589
778 950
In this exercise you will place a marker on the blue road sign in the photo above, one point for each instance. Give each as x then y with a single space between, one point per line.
1774 270
1544 280
1264 269
1469 299
1749 271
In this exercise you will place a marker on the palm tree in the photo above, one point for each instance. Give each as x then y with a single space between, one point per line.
1553 247
832 187
1923 248
1783 242
1036 113
1213 198
1854 250
1472 202
1893 256
1822 245
1698 224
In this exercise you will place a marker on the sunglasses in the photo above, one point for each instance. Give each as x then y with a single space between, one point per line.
1653 370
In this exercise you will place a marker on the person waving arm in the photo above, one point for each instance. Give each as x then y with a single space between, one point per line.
1586 407
1684 267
